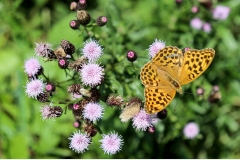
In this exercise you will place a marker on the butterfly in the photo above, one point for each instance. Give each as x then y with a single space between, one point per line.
168 71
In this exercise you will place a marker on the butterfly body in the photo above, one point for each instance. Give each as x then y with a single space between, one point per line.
170 69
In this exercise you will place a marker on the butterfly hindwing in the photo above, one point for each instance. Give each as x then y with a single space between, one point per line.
158 98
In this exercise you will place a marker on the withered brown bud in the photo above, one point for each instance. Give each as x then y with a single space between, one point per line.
68 47
75 88
43 97
83 17
115 101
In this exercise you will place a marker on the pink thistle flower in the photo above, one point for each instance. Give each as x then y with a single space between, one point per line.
47 112
155 47
142 121
220 12
34 88
79 142
93 111
111 143
42 49
91 74
194 9
92 50
32 66
207 27
196 23
191 130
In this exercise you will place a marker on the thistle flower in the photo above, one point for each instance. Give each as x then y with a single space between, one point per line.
91 74
207 27
194 9
191 130
49 112
43 49
196 23
220 12
92 50
155 47
111 143
34 88
79 142
142 121
93 111
32 66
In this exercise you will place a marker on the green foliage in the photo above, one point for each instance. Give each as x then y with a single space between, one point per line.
132 25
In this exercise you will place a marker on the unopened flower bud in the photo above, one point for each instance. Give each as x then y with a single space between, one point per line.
131 56
82 4
74 24
101 21
68 47
43 97
73 6
50 87
162 114
63 63
83 17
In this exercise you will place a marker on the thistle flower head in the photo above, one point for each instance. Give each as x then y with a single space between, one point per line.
142 121
34 88
91 74
93 111
155 47
92 50
191 130
32 66
79 142
111 143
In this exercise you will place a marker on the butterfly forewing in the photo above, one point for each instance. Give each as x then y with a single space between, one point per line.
195 62
169 56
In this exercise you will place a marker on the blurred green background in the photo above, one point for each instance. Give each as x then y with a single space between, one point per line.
132 25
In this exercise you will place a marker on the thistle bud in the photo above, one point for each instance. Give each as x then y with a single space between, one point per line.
74 24
131 56
101 21
43 97
50 87
82 4
83 17
63 63
162 114
73 6
68 47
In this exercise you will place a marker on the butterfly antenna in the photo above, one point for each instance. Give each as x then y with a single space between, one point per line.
188 93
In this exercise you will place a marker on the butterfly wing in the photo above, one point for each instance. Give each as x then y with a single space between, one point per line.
169 56
195 62
156 75
158 98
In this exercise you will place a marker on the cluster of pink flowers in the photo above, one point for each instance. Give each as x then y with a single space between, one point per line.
218 13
